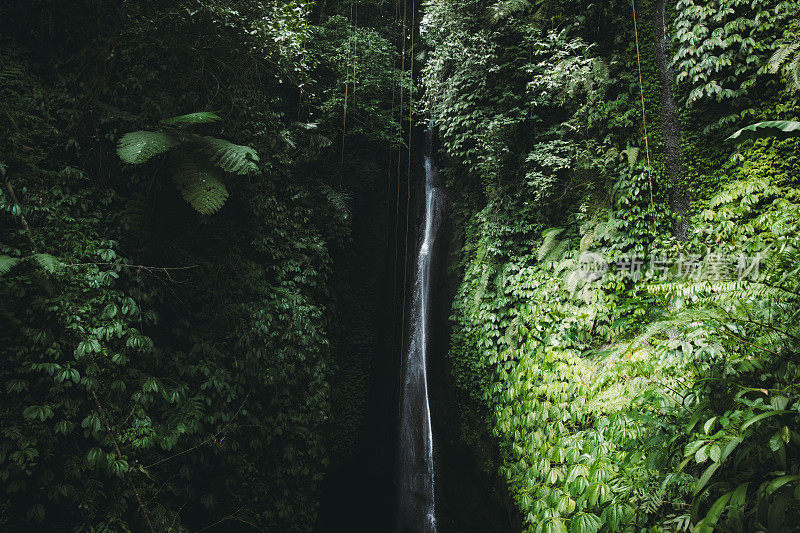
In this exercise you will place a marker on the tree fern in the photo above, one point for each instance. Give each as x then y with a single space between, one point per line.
200 117
46 262
787 56
200 185
137 147
197 159
229 157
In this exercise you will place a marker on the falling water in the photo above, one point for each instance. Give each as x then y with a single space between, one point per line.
416 474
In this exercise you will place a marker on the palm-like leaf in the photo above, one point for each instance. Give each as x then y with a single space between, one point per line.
230 157
197 159
787 55
7 263
201 117
780 129
137 147
46 262
200 185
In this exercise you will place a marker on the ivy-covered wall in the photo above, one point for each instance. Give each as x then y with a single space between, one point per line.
622 392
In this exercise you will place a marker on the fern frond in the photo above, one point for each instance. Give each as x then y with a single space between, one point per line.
735 190
318 142
200 185
780 56
7 263
794 71
573 280
47 262
505 8
137 147
135 216
338 200
632 153
230 157
201 117
550 243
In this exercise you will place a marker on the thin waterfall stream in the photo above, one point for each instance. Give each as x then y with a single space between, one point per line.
416 505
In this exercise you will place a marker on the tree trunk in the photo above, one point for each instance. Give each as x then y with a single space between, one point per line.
670 126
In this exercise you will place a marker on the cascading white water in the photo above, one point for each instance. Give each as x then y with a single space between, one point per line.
416 509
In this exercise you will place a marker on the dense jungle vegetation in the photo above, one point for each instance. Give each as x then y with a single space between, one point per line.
206 214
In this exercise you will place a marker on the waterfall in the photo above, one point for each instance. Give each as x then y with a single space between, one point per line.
416 509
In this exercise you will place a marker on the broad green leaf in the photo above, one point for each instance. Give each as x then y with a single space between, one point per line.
585 523
738 497
729 448
761 416
714 452
200 117
780 482
780 129
707 524
705 477
137 147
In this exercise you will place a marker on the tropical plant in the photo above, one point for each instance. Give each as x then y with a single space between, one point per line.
780 129
45 262
195 161
743 413
724 48
787 59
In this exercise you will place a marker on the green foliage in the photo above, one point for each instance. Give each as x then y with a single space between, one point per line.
743 414
200 117
162 356
724 49
787 58
723 45
137 147
47 263
215 372
599 431
200 185
780 129
228 156
663 431
195 157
